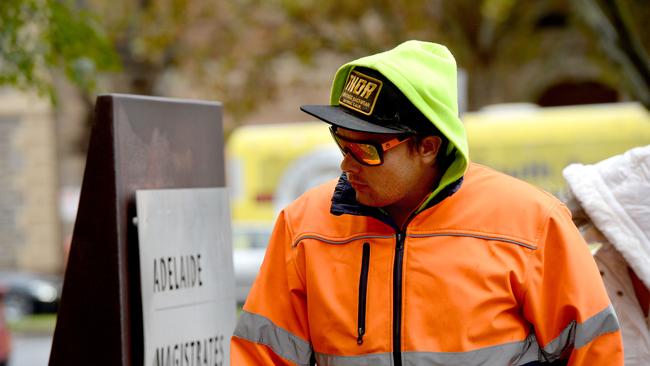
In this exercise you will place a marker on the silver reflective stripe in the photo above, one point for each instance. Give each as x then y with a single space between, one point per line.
376 359
515 353
330 241
599 324
258 329
485 237
578 335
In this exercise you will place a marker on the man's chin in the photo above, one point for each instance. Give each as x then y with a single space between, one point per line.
367 201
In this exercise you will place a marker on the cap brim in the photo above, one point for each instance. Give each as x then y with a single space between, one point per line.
339 117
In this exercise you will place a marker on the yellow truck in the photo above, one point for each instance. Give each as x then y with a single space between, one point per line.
264 163
535 144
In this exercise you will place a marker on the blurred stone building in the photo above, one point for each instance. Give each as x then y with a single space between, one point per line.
30 232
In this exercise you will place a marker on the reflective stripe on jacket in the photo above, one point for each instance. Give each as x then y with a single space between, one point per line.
494 274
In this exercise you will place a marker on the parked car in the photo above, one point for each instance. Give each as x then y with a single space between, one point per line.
29 293
5 336
249 245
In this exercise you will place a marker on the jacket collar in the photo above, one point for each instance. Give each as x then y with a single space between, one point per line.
344 201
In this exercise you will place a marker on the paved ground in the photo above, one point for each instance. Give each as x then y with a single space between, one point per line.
30 350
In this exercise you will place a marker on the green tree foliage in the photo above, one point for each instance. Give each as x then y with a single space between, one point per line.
37 36
230 50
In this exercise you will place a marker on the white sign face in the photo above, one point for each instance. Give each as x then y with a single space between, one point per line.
186 273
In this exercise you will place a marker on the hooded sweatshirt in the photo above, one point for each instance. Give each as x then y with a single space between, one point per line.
426 74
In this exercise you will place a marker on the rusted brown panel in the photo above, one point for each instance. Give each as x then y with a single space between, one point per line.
136 143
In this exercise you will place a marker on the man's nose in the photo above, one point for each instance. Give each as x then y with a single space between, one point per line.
349 164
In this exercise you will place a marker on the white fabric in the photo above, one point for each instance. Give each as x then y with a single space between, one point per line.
615 194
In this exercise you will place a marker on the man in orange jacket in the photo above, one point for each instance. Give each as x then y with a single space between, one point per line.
416 256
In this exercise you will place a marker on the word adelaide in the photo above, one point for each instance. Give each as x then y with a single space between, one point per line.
175 273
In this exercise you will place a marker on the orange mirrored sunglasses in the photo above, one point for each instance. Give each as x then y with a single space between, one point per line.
369 153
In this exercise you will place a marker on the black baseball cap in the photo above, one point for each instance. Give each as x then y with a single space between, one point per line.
369 102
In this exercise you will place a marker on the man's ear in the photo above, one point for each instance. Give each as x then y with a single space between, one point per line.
429 148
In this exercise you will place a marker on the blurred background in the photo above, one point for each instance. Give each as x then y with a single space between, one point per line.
543 83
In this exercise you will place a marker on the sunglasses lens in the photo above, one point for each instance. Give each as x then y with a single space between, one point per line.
364 153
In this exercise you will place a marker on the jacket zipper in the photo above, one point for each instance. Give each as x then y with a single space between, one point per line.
397 300
363 289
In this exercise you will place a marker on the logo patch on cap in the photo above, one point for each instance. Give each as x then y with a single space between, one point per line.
360 92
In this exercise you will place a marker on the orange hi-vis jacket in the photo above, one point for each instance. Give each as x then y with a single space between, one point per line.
492 273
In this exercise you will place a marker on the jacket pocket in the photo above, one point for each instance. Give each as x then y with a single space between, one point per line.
363 289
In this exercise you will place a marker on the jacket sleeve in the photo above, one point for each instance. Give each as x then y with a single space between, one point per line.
272 329
566 300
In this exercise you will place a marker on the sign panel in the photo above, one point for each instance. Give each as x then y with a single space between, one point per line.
187 280
137 142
